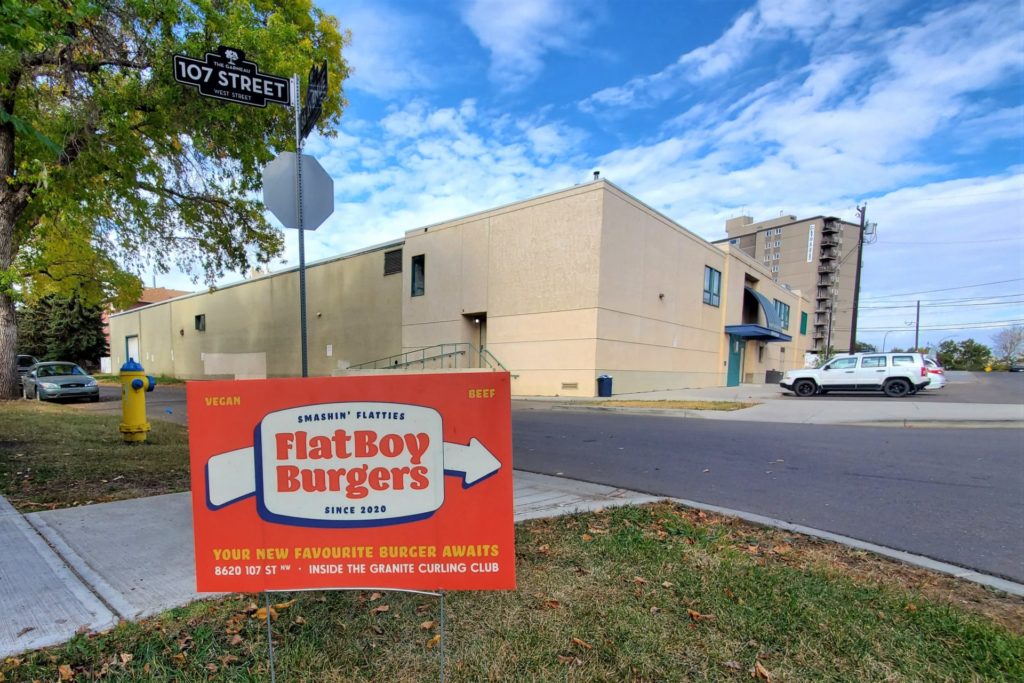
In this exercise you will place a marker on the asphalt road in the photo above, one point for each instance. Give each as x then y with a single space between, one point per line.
955 495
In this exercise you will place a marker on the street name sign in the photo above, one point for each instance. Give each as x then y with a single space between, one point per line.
279 191
315 93
401 481
226 75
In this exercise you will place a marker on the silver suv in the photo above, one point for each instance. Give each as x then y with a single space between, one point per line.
895 374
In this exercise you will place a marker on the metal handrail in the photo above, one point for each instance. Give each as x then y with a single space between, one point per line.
432 353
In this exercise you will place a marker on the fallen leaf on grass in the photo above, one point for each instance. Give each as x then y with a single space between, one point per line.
433 641
179 658
422 609
227 660
377 629
587 538
126 657
428 624
298 620
911 607
597 530
375 596
582 643
570 660
639 580
655 610
733 664
66 674
284 605
667 584
760 672
544 549
261 613
552 604
236 640
380 608
782 548
211 667
697 616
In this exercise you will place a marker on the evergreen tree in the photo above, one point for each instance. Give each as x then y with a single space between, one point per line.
63 328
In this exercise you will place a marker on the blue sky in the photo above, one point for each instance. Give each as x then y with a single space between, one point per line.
703 109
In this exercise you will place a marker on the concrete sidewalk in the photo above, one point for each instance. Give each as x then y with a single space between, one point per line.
85 568
777 406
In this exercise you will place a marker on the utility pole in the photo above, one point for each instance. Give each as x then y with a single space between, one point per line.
917 324
863 212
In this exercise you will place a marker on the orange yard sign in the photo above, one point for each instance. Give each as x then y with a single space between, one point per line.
394 481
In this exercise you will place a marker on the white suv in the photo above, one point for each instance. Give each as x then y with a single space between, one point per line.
896 374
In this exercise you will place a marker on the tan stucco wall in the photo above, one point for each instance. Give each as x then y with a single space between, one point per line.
654 331
531 270
252 329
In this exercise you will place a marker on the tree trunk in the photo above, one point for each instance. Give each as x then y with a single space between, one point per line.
13 200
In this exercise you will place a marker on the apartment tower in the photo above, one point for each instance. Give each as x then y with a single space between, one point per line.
815 255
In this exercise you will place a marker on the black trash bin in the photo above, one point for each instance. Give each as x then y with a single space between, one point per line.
604 385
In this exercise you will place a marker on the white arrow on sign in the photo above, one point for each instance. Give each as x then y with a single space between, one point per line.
231 476
279 191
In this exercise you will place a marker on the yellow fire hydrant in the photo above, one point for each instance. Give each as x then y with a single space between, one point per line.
134 385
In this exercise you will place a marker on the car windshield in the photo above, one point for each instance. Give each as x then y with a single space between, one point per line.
59 370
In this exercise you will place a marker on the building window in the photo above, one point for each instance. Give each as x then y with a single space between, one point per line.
418 275
393 262
201 322
712 286
803 323
783 311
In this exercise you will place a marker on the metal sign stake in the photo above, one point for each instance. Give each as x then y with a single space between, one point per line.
302 237
270 639
440 650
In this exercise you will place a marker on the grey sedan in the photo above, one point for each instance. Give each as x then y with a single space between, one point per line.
56 380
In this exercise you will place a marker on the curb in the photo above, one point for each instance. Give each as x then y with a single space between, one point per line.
737 415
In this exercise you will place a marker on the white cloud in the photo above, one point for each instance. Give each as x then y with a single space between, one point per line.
518 34
385 55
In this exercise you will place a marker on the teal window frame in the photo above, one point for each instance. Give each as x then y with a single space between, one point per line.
803 322
712 286
783 311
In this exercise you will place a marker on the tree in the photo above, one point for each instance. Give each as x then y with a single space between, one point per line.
108 166
967 355
864 347
1009 343
59 328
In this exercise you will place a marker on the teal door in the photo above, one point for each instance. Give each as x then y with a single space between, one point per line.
735 361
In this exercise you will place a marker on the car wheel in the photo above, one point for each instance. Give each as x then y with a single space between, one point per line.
896 388
804 387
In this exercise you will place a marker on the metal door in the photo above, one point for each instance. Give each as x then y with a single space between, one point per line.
735 361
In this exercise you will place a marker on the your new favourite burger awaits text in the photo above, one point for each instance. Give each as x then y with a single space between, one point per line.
400 481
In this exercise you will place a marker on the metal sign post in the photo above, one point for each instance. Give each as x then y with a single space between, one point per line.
302 236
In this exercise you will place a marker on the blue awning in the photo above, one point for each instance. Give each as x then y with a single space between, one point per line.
773 331
757 332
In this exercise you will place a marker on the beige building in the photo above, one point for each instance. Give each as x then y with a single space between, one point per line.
816 255
559 289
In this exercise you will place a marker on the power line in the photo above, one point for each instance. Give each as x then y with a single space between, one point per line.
931 242
960 326
946 289
927 305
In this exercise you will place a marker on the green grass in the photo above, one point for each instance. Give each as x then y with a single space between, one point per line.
676 405
655 593
55 456
105 378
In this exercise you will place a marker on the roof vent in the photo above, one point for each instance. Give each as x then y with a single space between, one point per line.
597 175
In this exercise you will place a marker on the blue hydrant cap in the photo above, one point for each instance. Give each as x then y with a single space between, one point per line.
131 366
136 384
